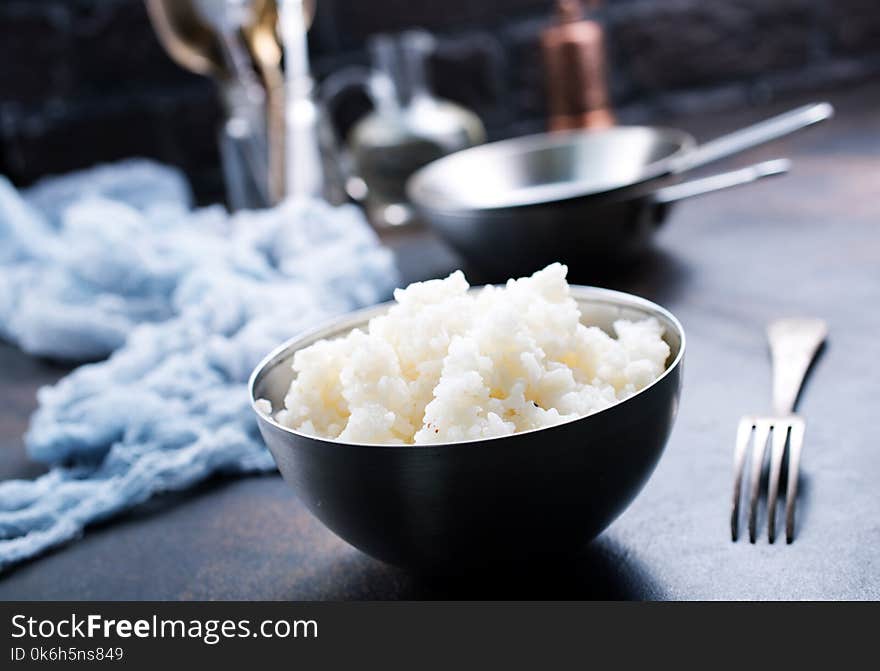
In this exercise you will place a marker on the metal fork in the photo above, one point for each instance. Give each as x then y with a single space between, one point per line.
793 345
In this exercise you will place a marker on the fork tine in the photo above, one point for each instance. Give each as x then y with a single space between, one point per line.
762 433
795 446
780 434
743 433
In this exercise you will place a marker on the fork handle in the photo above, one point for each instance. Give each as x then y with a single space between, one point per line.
793 344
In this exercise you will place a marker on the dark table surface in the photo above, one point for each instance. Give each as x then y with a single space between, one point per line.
808 243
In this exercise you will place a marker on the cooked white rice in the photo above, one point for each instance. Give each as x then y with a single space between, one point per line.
446 365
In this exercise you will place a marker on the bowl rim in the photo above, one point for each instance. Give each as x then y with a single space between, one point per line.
351 320
548 194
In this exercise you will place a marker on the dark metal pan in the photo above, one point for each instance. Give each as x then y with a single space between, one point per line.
579 196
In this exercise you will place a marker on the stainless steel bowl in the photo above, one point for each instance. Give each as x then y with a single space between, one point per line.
586 197
529 496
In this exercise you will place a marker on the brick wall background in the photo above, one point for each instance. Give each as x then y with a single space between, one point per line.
84 81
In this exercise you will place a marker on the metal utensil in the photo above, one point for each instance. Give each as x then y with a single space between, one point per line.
227 18
793 345
752 136
592 234
245 99
304 161
725 180
187 38
576 196
539 169
545 492
262 37
203 36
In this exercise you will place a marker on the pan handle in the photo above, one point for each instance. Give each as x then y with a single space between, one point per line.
752 136
724 180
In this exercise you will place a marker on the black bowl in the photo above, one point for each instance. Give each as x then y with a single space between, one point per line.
528 496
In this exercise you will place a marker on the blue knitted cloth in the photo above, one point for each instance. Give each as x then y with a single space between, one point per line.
114 261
